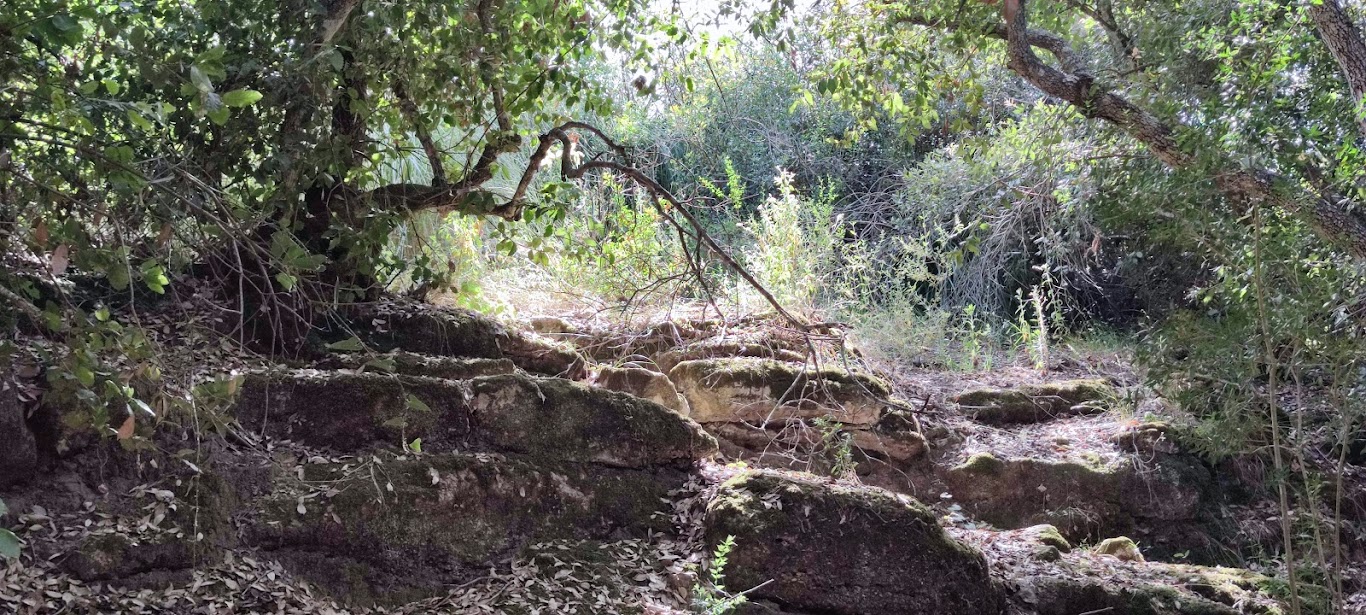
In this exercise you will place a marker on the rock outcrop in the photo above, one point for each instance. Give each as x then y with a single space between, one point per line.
816 546
1036 402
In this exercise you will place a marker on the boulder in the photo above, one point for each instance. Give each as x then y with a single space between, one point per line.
1121 548
547 418
645 384
1036 403
1145 439
19 451
816 546
762 390
403 530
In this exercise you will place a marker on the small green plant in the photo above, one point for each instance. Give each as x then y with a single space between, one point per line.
9 543
836 447
710 597
974 334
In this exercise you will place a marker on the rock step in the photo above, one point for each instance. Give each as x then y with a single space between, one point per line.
1035 403
390 532
548 418
760 390
1085 501
412 364
451 332
816 546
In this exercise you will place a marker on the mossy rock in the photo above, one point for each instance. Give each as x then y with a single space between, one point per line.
425 329
817 546
116 557
347 411
555 419
404 530
729 348
1080 499
758 390
643 383
1048 535
410 364
1186 590
1036 403
547 418
1122 548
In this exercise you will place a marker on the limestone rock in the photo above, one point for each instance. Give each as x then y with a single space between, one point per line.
409 364
645 384
19 451
1122 548
554 418
552 325
1047 535
1036 402
1145 439
452 332
428 330
894 446
405 530
1207 593
822 547
541 356
548 418
725 348
759 390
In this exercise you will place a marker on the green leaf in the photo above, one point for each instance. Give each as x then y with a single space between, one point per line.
200 80
397 422
382 364
138 120
352 344
3 509
416 404
241 98
9 544
286 281
219 116
416 445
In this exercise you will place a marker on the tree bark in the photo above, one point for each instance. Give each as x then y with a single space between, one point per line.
1345 44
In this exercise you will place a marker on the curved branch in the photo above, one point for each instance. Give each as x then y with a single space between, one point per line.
1334 216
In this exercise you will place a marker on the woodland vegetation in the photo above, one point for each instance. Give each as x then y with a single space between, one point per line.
963 187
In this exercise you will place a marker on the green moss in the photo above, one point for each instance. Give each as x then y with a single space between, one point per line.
1121 547
1050 536
983 463
784 378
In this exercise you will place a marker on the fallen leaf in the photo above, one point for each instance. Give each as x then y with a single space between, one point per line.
126 429
60 259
